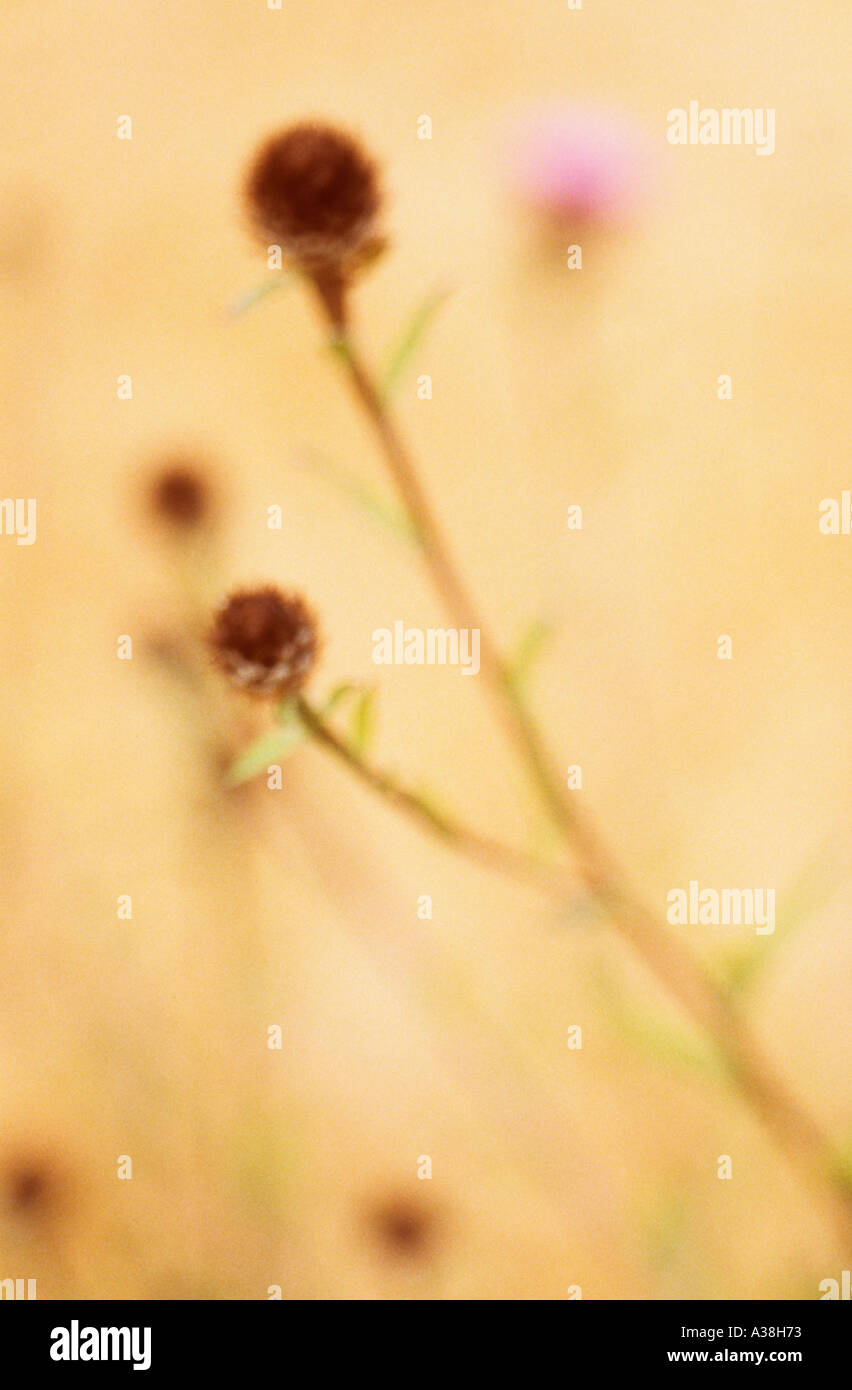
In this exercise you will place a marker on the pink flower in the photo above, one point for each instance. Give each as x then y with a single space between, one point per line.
580 164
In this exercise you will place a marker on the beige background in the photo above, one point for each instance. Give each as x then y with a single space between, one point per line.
551 1167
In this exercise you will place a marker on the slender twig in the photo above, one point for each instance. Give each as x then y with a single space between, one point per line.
698 994
491 853
453 590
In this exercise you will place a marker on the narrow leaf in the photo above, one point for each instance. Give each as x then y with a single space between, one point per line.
395 519
337 696
812 888
842 1161
363 722
338 346
434 807
272 746
244 302
653 1035
529 648
409 340
666 1231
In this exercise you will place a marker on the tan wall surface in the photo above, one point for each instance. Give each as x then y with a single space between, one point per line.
551 1167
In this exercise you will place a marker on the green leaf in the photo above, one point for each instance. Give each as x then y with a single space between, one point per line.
409 340
244 302
811 889
434 807
272 746
395 519
666 1231
363 722
842 1162
666 1044
336 697
655 1036
338 346
530 646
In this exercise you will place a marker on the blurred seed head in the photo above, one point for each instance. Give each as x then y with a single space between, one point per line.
313 190
33 1186
402 1227
181 496
266 642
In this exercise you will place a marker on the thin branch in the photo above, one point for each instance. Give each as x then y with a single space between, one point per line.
494 855
700 996
453 591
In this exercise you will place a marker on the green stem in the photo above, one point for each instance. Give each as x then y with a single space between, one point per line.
788 1122
491 853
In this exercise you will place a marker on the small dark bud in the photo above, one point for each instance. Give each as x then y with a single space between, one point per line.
403 1228
33 1187
181 496
313 190
266 642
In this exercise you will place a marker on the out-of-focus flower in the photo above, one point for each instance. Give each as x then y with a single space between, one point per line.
583 165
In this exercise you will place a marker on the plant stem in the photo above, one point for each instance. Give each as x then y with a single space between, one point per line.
452 589
790 1125
523 868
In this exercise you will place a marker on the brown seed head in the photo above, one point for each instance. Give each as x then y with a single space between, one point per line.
34 1187
403 1228
180 495
315 190
266 642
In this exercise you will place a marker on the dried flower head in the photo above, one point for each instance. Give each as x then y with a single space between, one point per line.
34 1186
180 495
314 188
403 1229
266 642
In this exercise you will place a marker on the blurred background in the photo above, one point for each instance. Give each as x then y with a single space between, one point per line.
552 1167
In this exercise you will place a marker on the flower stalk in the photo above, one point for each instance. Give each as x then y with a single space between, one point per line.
315 189
493 854
700 996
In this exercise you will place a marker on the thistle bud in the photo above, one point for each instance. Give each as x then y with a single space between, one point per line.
265 642
314 190
180 496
